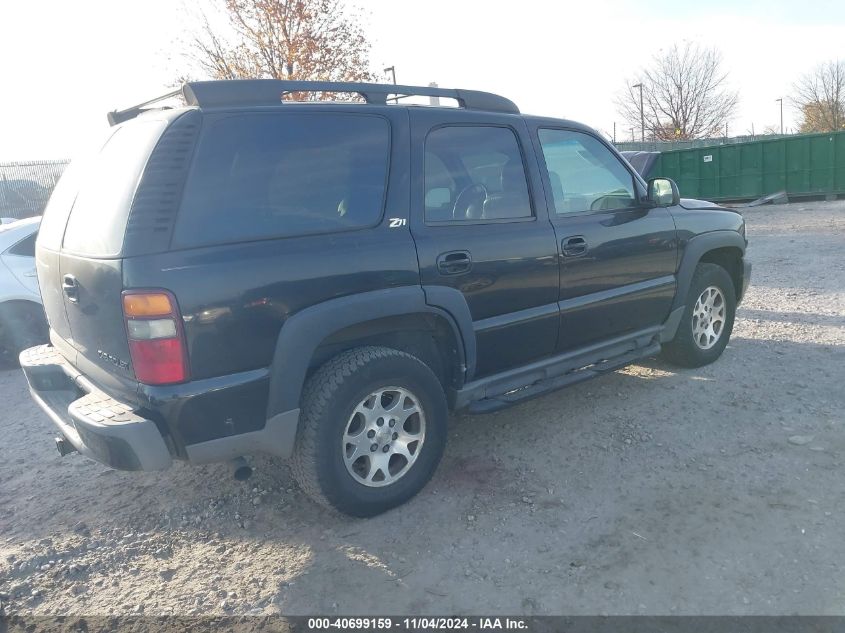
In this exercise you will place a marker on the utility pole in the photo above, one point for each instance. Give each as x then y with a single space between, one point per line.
642 115
614 132
392 70
435 101
781 115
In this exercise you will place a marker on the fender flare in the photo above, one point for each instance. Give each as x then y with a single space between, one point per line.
303 332
453 302
694 250
22 298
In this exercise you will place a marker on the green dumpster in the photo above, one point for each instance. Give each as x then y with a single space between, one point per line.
801 165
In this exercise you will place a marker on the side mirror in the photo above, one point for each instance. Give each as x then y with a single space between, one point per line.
663 192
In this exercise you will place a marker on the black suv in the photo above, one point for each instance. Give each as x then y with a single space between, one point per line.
325 281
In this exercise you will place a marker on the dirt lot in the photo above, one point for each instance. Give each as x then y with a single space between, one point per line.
651 490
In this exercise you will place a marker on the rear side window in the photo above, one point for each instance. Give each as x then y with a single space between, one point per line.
260 176
24 248
106 186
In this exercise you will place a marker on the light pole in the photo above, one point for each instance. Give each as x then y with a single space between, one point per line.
781 115
642 116
392 70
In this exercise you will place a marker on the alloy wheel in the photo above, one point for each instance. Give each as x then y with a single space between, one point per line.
383 437
708 317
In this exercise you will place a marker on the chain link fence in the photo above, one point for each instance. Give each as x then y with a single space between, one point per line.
26 187
665 146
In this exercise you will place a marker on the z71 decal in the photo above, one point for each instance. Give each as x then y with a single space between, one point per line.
395 223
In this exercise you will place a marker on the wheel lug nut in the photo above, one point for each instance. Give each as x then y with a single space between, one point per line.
374 448
380 422
392 422
386 448
371 434
395 436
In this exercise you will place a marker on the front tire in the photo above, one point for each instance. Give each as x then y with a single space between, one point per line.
372 431
708 319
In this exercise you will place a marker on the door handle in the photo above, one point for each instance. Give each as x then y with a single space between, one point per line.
574 246
71 288
454 263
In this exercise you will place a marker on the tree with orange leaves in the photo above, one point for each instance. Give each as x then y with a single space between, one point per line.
315 40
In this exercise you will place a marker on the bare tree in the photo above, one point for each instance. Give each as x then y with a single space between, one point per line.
283 39
684 95
820 97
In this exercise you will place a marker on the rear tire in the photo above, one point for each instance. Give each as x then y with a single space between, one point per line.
369 397
22 325
708 319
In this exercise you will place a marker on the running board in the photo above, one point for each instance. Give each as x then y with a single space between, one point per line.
497 403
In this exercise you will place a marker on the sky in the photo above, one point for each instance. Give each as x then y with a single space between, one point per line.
66 64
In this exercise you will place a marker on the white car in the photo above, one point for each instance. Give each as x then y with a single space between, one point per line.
22 321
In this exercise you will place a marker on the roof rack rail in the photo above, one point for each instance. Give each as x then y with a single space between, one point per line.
246 92
119 116
235 92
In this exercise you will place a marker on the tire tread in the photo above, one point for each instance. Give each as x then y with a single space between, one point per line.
681 350
316 397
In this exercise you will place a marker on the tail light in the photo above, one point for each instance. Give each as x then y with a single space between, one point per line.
156 339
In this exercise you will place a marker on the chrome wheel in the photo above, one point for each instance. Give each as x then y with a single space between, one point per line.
383 437
708 317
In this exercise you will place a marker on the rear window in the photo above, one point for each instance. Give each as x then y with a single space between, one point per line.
105 189
61 200
260 176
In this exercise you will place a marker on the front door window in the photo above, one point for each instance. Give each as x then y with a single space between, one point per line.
584 175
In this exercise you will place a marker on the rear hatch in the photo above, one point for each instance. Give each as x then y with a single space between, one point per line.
80 249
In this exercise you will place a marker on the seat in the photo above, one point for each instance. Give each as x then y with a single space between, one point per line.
512 201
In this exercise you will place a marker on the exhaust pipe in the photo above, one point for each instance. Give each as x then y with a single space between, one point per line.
241 471
64 447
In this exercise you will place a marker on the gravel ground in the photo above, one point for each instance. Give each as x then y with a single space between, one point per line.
651 490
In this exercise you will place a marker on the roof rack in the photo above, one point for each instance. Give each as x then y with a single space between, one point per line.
119 116
251 92
271 92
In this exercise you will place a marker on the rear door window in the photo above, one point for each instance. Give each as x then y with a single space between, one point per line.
106 187
260 176
474 173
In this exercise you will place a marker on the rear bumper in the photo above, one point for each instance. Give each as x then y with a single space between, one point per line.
209 420
96 424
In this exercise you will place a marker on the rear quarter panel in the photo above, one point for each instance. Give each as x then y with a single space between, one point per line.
235 298
15 284
12 290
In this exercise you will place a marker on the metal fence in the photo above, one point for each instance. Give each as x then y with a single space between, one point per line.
666 146
26 187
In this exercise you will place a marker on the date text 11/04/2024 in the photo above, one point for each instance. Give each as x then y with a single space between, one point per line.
417 624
